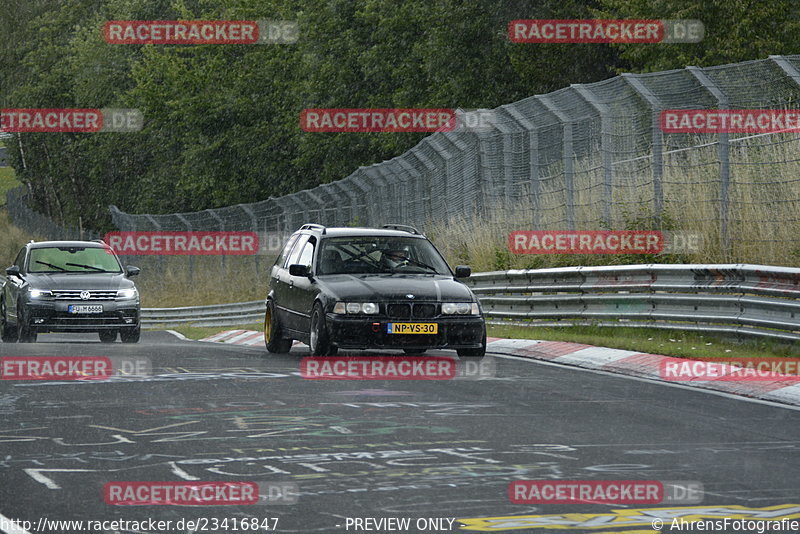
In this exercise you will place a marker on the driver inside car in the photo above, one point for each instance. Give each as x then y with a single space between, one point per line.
395 257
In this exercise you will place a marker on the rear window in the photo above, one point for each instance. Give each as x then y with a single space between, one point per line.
73 259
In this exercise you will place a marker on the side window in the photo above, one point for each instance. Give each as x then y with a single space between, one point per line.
286 249
295 254
307 254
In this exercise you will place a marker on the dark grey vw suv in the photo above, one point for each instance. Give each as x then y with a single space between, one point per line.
69 286
370 288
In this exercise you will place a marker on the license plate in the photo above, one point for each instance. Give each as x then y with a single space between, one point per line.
75 308
412 328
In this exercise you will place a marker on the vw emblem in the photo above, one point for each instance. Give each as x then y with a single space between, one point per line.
85 295
410 296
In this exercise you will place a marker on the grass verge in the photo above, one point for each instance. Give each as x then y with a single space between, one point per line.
200 332
677 343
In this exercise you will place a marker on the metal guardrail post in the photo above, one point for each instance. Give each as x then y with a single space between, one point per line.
567 157
657 142
606 140
723 149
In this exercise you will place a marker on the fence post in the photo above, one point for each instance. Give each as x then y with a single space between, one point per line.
254 225
191 257
657 142
222 227
533 160
723 149
567 157
606 140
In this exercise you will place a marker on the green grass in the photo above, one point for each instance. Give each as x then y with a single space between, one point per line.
8 181
675 343
200 332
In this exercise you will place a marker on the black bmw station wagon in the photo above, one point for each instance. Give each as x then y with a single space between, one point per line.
369 288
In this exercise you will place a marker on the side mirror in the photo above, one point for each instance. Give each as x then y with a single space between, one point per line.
463 271
130 270
299 270
12 271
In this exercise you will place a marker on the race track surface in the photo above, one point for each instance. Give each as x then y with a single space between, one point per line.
356 449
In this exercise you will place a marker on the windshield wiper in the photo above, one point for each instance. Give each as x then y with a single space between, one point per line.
51 265
421 264
87 267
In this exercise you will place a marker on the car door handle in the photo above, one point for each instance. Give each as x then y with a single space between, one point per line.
291 283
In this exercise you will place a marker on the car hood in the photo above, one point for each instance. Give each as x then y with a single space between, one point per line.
78 281
370 287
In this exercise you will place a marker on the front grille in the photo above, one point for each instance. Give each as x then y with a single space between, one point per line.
398 311
424 311
418 310
75 294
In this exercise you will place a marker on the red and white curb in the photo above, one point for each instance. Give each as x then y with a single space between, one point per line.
626 362
240 337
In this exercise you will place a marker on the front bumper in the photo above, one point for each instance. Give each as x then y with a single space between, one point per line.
53 316
366 332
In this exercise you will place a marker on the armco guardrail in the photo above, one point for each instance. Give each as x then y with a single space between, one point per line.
215 315
735 298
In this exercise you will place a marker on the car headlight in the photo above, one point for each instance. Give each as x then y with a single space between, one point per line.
127 293
368 308
460 308
40 294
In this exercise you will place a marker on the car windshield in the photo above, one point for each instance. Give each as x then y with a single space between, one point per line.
380 254
73 259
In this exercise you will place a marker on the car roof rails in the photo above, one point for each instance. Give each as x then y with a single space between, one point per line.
403 227
98 241
313 226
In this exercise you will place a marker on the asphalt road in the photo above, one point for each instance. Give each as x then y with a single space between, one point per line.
376 449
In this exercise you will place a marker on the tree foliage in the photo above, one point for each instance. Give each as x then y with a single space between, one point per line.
222 121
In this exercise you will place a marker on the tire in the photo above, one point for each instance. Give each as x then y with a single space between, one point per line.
480 352
130 335
273 339
414 351
319 340
8 333
108 336
26 335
